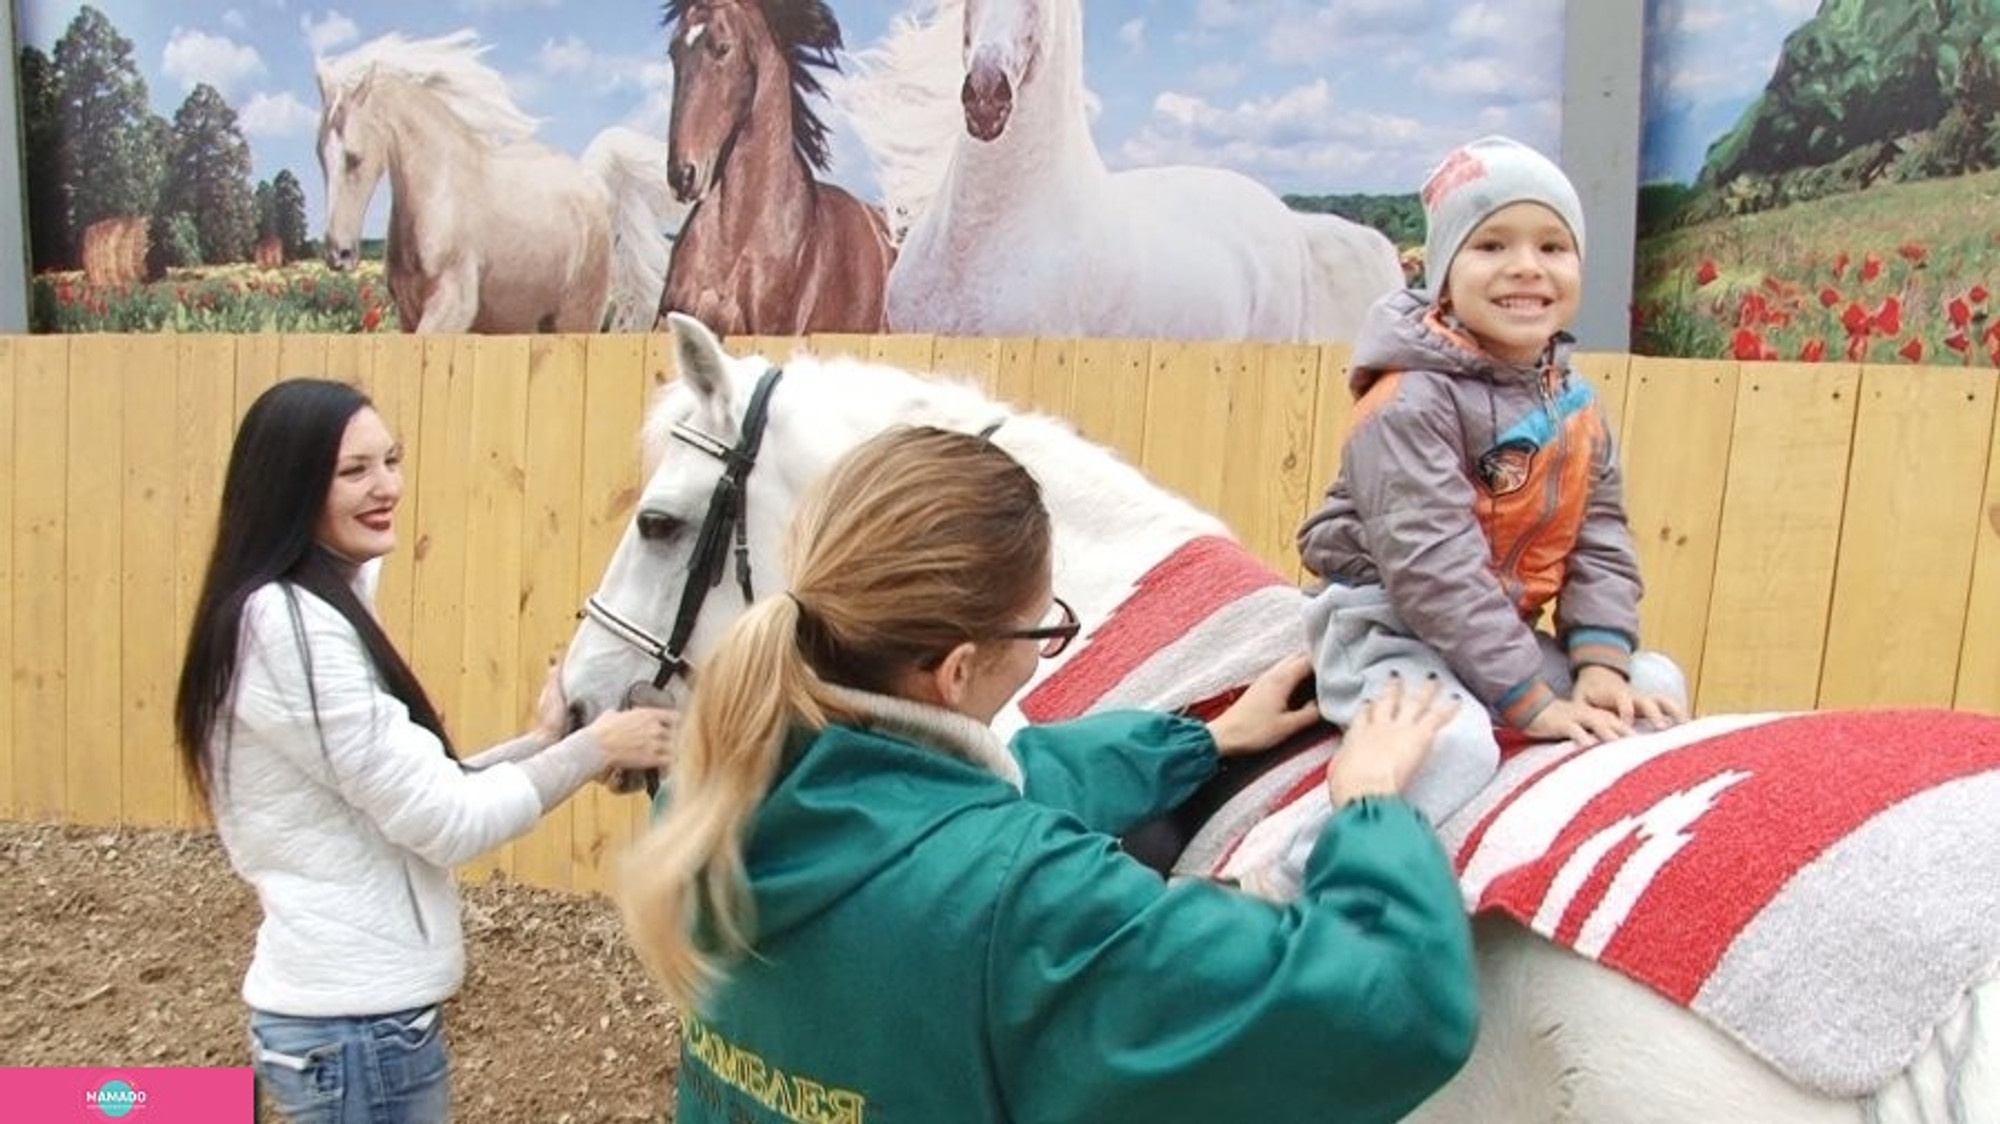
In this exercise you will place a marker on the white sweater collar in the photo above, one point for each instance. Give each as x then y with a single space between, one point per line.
972 742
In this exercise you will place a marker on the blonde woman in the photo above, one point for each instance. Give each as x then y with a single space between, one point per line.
868 907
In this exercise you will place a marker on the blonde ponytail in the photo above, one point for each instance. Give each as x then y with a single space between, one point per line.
920 539
688 869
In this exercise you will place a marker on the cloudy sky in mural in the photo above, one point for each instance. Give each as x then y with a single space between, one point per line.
1313 97
1705 61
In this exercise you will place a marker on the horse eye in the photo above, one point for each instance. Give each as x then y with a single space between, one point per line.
657 525
353 161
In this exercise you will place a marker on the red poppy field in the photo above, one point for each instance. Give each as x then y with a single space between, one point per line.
1905 273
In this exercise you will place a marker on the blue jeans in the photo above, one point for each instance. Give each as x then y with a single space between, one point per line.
375 1069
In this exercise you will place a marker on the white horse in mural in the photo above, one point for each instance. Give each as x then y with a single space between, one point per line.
489 231
1563 1038
976 119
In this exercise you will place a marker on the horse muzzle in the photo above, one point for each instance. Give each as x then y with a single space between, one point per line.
341 258
988 99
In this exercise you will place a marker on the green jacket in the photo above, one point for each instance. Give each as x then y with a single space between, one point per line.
937 947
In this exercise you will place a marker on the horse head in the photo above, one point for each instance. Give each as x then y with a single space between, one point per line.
705 538
1006 42
728 56
353 150
735 442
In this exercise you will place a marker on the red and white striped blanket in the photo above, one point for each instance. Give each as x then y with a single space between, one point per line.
1823 887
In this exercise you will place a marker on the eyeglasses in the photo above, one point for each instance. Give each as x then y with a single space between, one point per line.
1055 633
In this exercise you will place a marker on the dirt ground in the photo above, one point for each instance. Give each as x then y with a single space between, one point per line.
126 946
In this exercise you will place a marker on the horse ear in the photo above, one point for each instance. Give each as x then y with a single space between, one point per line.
699 358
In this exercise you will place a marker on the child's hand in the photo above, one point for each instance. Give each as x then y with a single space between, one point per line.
1264 714
1605 689
1580 722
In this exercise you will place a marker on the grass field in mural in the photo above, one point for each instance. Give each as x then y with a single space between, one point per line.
1896 274
304 296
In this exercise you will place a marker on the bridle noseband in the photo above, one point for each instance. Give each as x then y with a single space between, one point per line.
725 520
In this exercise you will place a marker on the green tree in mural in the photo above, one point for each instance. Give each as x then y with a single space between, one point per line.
49 235
107 155
288 213
266 221
208 176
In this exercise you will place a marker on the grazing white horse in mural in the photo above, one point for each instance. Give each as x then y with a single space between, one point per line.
489 231
1859 988
976 119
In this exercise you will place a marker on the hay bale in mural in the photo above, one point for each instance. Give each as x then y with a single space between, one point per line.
114 251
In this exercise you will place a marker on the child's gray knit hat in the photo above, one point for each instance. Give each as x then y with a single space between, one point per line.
1478 179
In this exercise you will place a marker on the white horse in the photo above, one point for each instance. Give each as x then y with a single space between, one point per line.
976 121
1176 614
489 231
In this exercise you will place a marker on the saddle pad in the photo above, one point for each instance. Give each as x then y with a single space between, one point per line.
1824 887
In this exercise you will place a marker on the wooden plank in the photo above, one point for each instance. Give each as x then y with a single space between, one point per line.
349 358
910 351
1241 484
1108 394
551 523
205 415
396 383
972 360
1914 490
11 467
1268 483
1187 406
1052 376
496 472
827 345
302 355
615 389
41 591
151 643
1779 538
94 785
1333 405
1675 458
772 349
1014 373
437 557
1979 660
257 366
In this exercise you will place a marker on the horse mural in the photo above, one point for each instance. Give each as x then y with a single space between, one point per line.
488 230
767 248
976 119
1854 994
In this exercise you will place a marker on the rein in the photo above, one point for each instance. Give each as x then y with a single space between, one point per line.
725 520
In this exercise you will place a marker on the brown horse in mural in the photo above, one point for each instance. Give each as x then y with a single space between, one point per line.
767 248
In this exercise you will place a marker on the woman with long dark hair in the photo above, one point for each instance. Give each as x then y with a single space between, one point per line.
329 773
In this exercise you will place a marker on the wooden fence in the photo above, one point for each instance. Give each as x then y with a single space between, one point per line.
1811 535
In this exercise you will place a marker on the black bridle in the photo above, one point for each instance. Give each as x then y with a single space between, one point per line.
725 520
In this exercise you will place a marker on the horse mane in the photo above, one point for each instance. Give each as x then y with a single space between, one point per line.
448 66
861 388
807 33
902 100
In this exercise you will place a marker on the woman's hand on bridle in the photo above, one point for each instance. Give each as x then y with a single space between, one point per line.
640 738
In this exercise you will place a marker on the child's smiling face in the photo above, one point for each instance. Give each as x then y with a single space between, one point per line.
1516 281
